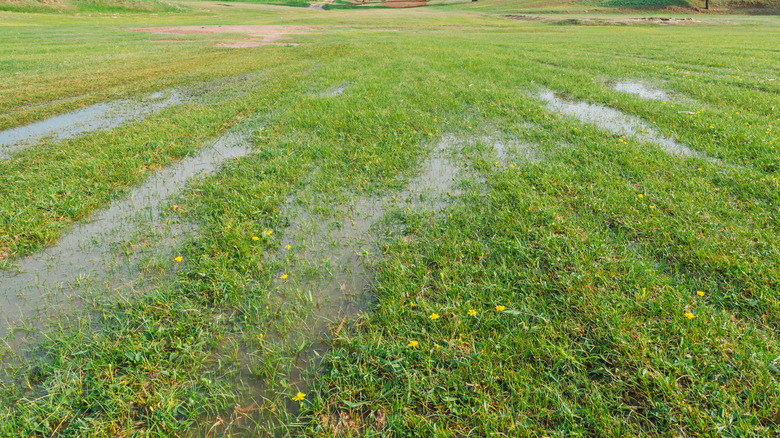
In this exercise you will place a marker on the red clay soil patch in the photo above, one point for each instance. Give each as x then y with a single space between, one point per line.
404 3
265 33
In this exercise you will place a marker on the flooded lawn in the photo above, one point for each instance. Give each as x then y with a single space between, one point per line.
614 121
328 258
105 115
91 250
641 89
113 114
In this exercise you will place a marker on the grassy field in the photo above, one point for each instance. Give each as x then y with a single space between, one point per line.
418 243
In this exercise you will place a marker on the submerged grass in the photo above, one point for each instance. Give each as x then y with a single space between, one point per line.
595 286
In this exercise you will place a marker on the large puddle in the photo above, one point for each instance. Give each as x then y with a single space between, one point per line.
110 115
616 122
96 250
330 256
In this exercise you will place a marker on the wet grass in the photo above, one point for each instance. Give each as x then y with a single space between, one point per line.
574 283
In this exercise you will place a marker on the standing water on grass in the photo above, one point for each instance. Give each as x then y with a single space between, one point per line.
91 251
331 256
614 121
639 88
110 115
106 115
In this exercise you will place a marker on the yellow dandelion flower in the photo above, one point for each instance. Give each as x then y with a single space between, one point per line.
413 344
472 312
652 206
178 259
284 276
299 397
255 238
688 315
641 196
228 227
287 247
500 308
269 232
700 293
434 316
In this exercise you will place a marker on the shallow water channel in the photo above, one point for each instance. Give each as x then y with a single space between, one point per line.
614 121
641 89
331 256
115 113
92 251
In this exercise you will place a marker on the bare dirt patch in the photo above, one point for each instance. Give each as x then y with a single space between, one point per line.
625 21
247 44
404 3
170 40
524 17
265 33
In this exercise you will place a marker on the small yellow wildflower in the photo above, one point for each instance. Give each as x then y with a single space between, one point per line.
413 344
178 259
500 308
412 304
472 312
434 316
228 227
299 397
287 247
700 293
652 206
269 232
255 238
284 276
688 315
641 196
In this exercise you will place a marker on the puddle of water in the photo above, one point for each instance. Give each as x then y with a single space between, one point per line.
506 149
106 115
330 257
640 89
110 115
44 281
338 90
616 122
341 247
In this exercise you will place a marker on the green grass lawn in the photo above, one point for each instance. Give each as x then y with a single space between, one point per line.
571 282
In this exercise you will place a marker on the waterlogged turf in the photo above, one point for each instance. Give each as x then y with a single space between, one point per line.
414 223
